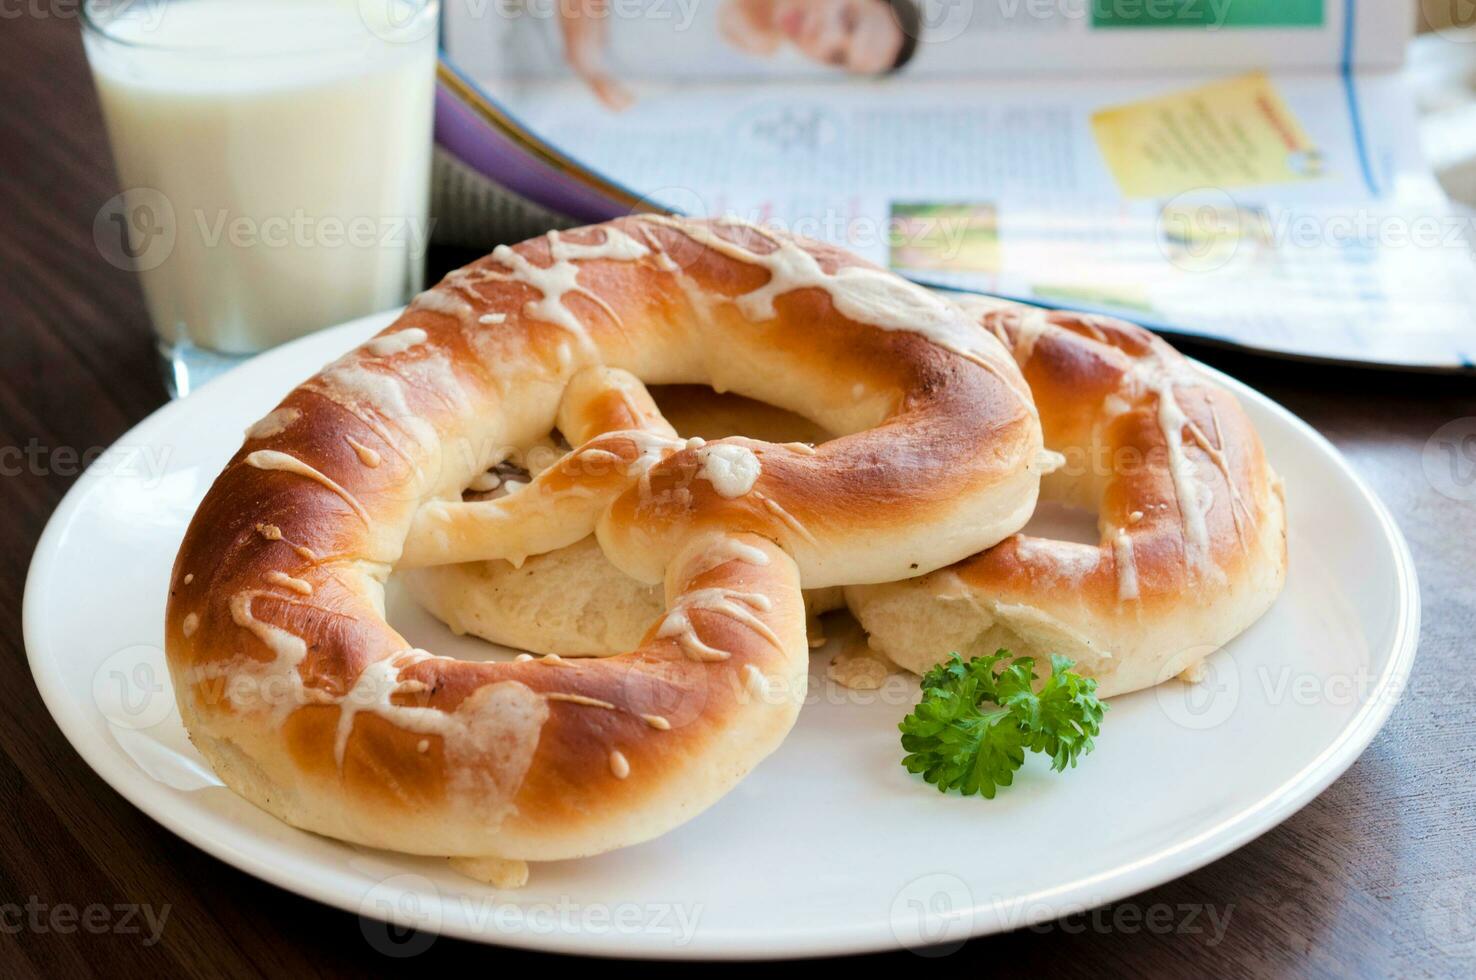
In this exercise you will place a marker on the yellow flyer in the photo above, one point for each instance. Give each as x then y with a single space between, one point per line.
1232 133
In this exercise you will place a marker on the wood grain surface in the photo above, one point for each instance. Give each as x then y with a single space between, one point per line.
1375 877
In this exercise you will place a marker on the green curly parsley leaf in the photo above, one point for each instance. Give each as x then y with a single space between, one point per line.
976 720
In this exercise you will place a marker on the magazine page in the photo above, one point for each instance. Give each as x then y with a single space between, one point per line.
1281 207
620 44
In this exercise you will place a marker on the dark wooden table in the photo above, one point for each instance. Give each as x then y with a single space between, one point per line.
1375 877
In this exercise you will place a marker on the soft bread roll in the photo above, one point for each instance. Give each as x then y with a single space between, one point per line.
311 706
572 601
1137 426
1191 518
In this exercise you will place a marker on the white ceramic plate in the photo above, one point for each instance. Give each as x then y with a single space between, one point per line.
830 846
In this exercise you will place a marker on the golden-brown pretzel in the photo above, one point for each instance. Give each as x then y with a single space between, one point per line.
572 601
1192 524
1154 596
310 705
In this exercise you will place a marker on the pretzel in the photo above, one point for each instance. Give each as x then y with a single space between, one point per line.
1191 519
572 601
311 706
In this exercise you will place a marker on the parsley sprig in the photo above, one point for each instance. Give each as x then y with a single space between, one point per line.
975 721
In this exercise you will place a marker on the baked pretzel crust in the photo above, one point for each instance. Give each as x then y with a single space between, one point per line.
1191 519
310 705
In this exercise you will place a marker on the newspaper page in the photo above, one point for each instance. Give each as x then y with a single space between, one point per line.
1242 170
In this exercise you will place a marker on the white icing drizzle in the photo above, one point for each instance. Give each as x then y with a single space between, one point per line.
1217 456
372 690
731 469
523 658
1030 324
619 764
367 456
1127 566
657 722
651 448
433 373
1049 461
288 582
632 410
866 295
379 681
353 385
190 624
288 652
722 551
273 423
777 509
438 299
1135 517
190 577
578 699
561 276
755 681
482 724
270 459
736 605
603 455
492 319
730 549
397 342
1187 487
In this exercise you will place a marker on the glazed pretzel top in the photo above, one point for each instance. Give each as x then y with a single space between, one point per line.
312 706
1190 516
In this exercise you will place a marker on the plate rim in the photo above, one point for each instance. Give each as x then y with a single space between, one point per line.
1184 857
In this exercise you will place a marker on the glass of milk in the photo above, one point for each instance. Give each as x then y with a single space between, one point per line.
275 159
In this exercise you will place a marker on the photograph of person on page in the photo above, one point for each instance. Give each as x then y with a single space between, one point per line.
863 37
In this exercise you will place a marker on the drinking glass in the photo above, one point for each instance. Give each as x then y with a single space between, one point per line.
275 159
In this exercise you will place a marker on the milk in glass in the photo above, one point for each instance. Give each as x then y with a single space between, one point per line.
275 156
